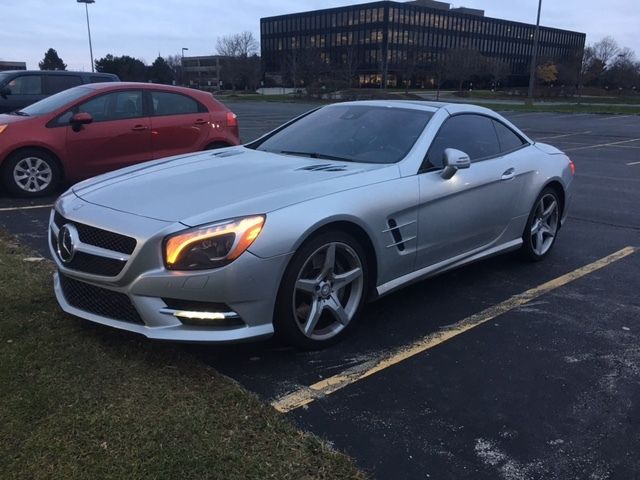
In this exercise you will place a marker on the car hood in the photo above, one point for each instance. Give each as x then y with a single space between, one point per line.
6 119
207 186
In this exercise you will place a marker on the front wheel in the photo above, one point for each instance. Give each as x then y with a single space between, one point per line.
31 173
322 291
542 226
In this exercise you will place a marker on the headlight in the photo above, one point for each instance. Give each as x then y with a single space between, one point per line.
3 128
213 245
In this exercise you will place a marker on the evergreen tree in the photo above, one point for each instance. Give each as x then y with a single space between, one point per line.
52 61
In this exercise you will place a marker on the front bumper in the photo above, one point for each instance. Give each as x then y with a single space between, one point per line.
247 288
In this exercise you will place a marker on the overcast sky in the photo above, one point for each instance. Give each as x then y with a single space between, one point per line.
144 28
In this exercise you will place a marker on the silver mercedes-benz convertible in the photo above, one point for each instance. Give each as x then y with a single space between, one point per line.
293 232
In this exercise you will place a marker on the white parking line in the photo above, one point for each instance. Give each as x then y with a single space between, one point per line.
565 135
617 117
602 145
30 207
633 163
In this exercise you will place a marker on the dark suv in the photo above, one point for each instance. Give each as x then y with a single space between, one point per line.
19 88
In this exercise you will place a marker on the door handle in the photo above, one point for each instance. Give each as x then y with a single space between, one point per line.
509 174
139 128
200 121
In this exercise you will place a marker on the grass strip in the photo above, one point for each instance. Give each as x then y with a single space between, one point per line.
79 401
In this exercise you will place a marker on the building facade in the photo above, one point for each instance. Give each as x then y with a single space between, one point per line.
202 72
5 66
394 43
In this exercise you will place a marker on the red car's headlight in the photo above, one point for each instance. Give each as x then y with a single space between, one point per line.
213 245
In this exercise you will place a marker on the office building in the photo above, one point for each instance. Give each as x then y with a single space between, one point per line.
396 42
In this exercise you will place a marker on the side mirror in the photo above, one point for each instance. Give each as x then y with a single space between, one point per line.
453 161
79 119
4 92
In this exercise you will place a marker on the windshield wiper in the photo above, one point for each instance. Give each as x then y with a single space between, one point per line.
19 112
316 155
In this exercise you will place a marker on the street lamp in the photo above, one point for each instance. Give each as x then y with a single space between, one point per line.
534 55
86 7
182 66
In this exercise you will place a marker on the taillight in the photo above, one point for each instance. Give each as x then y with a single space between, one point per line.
232 119
572 166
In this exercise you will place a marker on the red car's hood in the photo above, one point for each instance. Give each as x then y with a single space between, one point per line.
6 119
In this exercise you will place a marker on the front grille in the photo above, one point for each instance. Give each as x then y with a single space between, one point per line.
98 237
84 262
96 265
99 301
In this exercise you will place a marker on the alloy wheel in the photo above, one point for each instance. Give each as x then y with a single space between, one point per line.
328 290
32 174
544 225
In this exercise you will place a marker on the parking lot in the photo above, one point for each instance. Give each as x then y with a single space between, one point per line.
498 370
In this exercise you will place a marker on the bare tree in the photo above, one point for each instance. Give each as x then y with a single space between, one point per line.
349 65
606 50
237 45
460 64
241 67
498 69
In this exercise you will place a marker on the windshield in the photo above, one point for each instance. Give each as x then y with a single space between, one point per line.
54 102
357 133
3 77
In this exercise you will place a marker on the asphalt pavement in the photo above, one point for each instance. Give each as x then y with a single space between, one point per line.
502 369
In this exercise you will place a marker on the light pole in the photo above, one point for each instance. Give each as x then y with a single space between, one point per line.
86 8
534 55
182 66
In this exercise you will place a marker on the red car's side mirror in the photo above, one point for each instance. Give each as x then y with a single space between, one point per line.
82 118
79 119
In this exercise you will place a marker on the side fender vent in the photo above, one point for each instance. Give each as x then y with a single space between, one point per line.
396 234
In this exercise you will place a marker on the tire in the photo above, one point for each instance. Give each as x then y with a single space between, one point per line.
31 173
542 227
322 293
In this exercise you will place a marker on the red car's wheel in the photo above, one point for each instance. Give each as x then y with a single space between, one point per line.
31 173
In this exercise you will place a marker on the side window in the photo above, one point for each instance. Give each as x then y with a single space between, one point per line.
473 134
96 107
26 85
127 104
173 104
58 83
509 140
113 106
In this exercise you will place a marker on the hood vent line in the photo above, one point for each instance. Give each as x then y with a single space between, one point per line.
325 167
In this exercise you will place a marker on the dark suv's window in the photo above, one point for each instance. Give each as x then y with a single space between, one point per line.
173 104
58 83
509 140
472 134
26 85
100 79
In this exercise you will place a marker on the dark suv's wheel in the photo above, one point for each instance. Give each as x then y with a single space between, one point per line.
542 226
322 291
31 173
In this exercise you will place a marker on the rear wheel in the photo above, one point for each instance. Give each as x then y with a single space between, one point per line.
31 173
542 226
322 291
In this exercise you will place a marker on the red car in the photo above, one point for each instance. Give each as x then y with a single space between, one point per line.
91 129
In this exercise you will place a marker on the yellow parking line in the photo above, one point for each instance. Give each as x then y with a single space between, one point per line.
29 207
306 395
